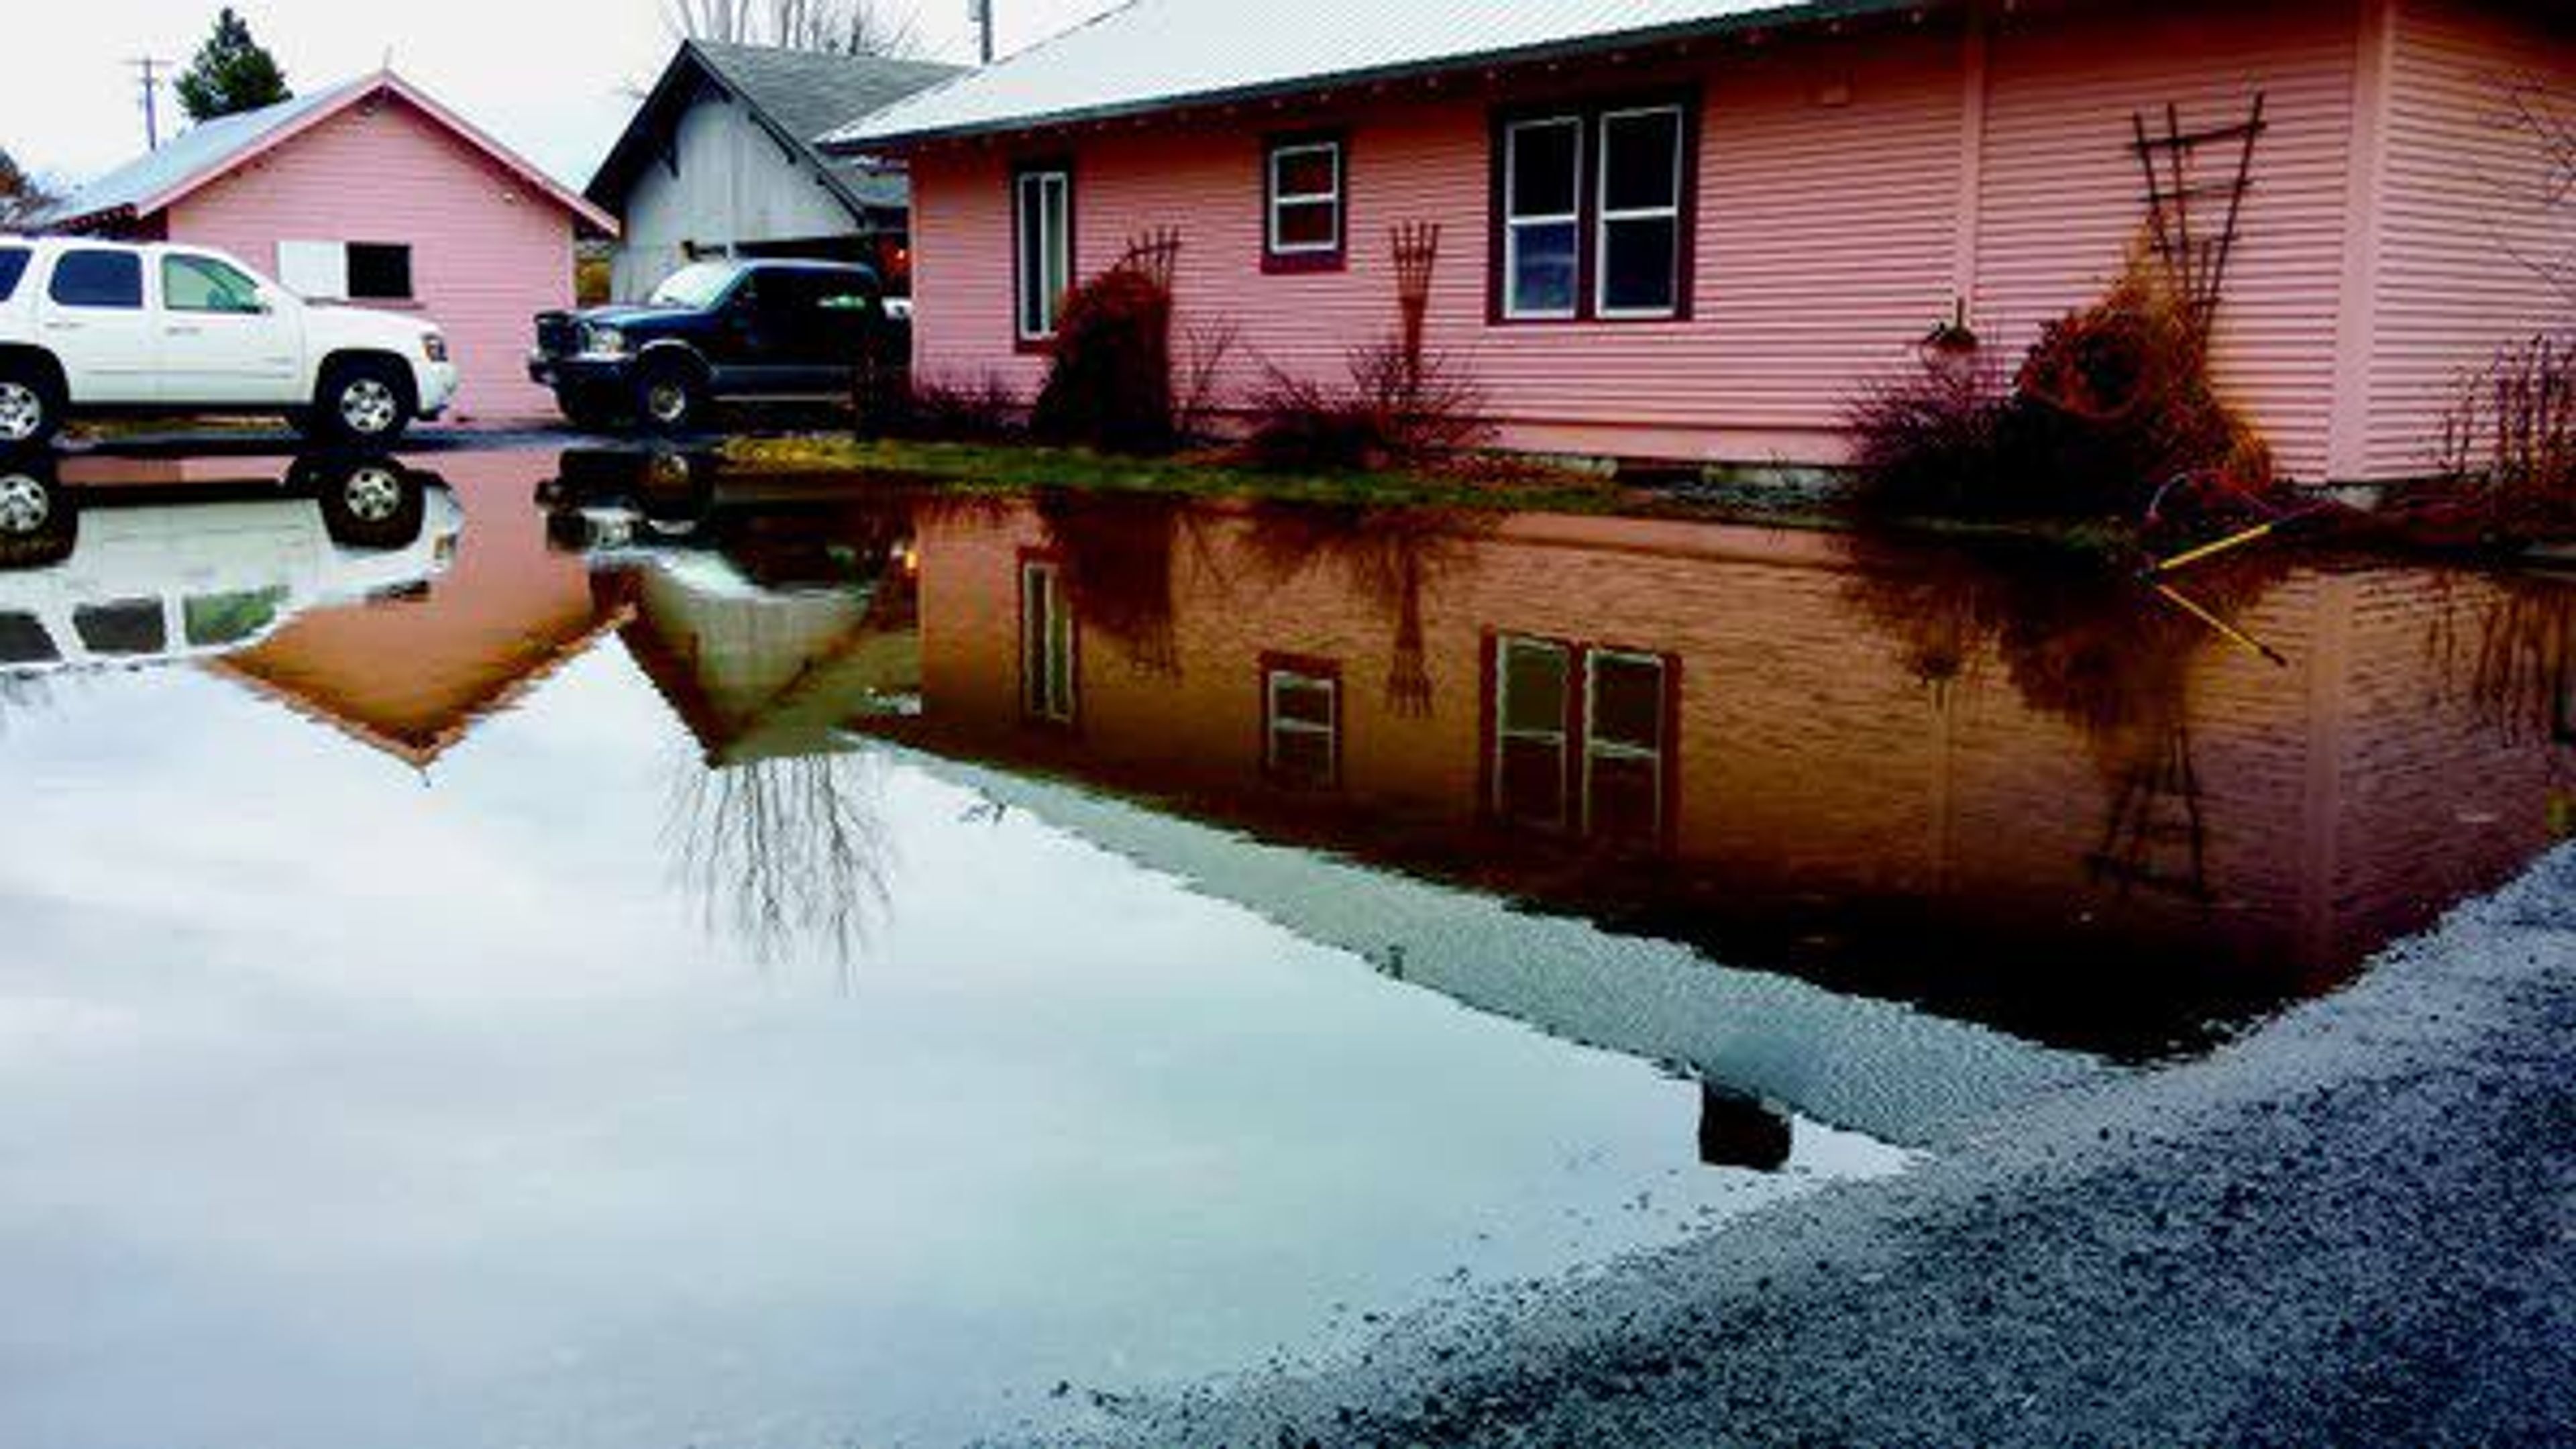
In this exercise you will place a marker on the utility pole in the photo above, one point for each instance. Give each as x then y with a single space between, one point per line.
149 70
981 13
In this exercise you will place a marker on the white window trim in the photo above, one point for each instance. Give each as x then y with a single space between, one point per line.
1504 733
1037 291
1603 216
1514 223
1596 749
1046 690
1281 199
1274 724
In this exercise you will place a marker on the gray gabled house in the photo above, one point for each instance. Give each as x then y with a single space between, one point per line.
719 161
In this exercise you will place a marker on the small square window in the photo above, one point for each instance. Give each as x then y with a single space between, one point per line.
379 272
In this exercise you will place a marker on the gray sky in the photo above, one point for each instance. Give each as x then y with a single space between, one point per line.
545 76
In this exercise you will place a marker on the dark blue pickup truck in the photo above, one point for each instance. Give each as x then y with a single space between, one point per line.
718 332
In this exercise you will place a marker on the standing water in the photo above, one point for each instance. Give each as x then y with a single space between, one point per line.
587 951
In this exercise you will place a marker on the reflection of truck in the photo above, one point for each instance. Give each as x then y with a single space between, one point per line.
208 569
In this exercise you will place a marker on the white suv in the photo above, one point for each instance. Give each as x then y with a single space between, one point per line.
90 327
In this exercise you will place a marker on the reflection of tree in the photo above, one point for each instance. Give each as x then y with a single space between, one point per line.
1117 551
1389 557
784 854
2516 672
2087 645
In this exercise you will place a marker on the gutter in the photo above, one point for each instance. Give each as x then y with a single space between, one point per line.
855 140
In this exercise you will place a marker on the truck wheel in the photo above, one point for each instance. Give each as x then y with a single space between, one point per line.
590 409
29 410
370 503
670 398
365 401
39 525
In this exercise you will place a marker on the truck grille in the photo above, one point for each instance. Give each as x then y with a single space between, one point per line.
558 334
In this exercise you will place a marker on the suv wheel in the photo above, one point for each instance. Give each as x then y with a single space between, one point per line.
38 525
670 397
366 402
28 413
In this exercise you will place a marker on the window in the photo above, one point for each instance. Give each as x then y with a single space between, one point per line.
1623 746
1302 192
1301 724
13 265
23 640
379 272
1639 232
1542 217
202 284
338 271
1594 215
1582 739
1533 679
219 619
134 627
1042 235
1046 644
99 279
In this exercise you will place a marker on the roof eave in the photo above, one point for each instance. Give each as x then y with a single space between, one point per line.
853 141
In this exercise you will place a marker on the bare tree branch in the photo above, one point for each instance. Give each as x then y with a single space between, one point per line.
830 27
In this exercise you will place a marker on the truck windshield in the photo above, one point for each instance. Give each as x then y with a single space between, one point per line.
695 287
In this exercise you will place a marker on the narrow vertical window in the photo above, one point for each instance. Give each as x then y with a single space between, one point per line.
1042 228
1639 238
1301 726
1303 198
1533 683
1542 217
1624 745
1046 645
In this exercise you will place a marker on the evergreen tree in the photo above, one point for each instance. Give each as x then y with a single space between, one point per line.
232 72
21 195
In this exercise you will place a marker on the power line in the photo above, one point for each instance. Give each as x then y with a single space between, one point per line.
149 73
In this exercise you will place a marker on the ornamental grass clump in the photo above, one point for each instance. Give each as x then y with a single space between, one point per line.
2508 447
2109 412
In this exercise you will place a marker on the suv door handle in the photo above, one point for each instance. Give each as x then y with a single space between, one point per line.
62 326
178 330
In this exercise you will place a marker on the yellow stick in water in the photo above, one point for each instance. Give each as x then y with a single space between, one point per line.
2228 544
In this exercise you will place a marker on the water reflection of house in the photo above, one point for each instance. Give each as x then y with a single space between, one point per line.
2097 826
758 675
413 676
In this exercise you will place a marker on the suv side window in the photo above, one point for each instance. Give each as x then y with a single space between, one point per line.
202 284
13 265
99 279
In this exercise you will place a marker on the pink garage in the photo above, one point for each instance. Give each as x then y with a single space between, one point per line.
373 194
1689 228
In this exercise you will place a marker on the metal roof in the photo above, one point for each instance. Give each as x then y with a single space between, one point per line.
1154 54
201 153
198 149
796 95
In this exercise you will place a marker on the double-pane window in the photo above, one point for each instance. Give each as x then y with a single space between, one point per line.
1595 215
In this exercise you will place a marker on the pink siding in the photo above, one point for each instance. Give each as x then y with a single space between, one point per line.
1849 189
488 252
2456 208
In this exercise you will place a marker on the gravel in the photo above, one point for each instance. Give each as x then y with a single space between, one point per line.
2357 1224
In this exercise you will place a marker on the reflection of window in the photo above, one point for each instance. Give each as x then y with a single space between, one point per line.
23 640
1046 644
1531 731
1623 745
219 619
1301 724
134 627
1582 738
1042 233
1304 201
202 284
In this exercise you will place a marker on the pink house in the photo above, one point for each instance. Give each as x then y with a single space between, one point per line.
1686 229
373 194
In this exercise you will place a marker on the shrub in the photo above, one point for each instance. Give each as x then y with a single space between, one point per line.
1930 441
982 409
1109 384
1395 408
2508 449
